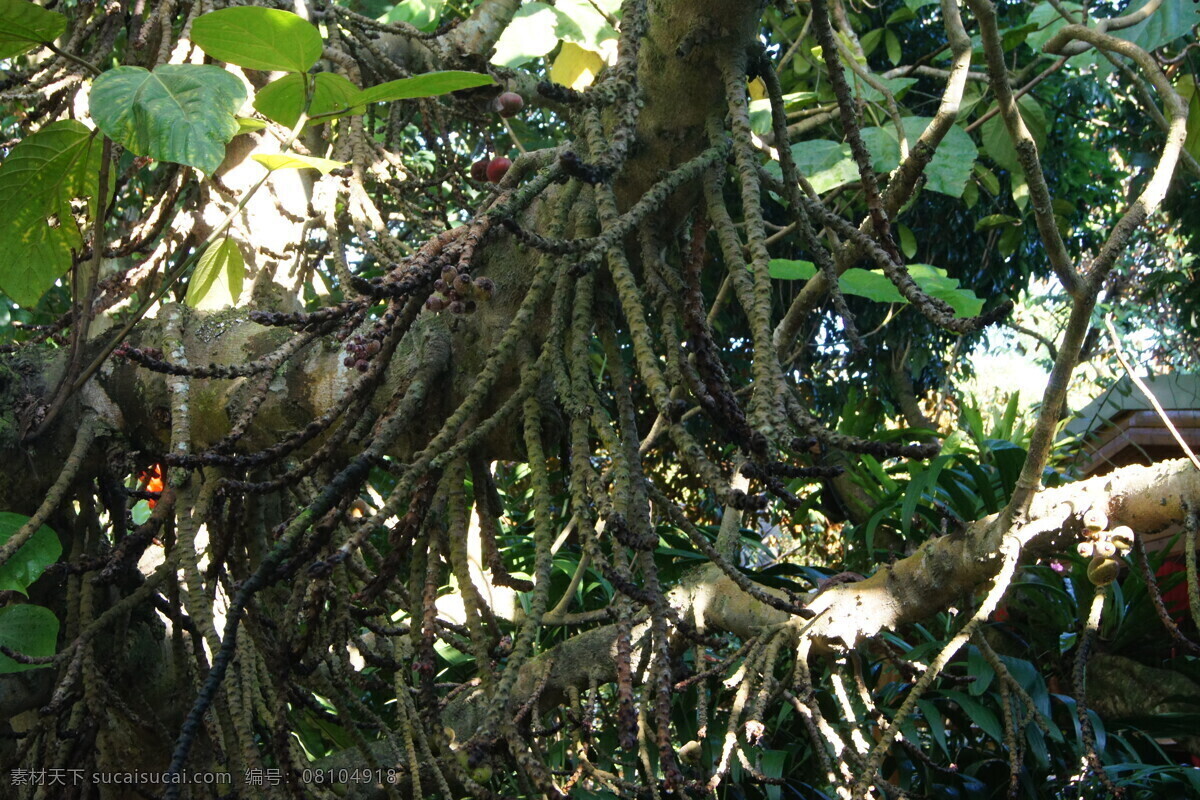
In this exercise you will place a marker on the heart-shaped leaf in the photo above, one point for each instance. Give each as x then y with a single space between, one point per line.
183 113
259 38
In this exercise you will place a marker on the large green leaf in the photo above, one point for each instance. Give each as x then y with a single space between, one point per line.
874 285
259 38
31 631
790 270
430 84
38 180
936 282
999 146
283 99
826 164
217 280
951 166
533 32
183 113
31 559
24 25
1169 22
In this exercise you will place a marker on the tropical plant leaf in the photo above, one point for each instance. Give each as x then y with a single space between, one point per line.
259 38
217 280
282 100
31 559
274 161
182 113
25 25
431 84
38 180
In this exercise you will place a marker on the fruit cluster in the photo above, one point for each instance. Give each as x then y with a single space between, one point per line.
490 169
456 292
360 350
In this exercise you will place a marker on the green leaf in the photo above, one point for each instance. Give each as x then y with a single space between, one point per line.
980 715
871 284
249 125
826 164
579 21
987 179
276 161
892 43
996 142
423 14
217 280
1047 21
532 33
1169 22
24 25
870 40
995 221
282 100
38 180
979 670
431 84
951 166
908 242
936 282
902 14
259 38
31 559
1190 90
788 270
182 113
897 86
31 631
933 718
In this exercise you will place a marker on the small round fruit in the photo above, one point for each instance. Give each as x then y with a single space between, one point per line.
479 170
497 169
509 104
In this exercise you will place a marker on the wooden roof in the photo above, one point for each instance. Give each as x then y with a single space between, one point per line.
1120 427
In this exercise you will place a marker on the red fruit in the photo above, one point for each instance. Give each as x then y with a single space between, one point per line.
479 170
509 104
497 169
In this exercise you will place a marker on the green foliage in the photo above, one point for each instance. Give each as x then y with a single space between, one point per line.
283 99
259 38
182 113
31 559
217 279
430 84
25 25
38 180
874 285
